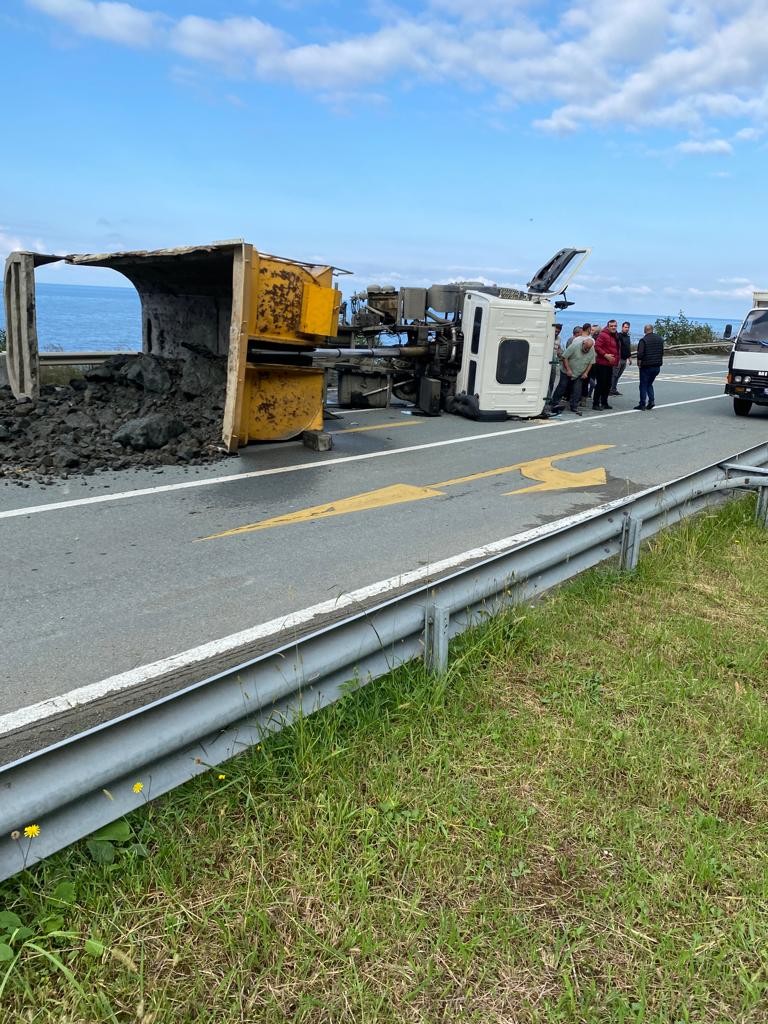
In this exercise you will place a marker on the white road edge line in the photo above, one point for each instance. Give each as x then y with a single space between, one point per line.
26 716
101 499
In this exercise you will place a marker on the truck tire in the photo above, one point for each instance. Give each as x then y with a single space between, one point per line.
741 406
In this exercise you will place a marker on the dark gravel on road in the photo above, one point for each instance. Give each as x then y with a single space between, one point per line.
130 412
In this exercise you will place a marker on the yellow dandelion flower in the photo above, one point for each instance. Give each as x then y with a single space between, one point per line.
222 777
31 831
137 787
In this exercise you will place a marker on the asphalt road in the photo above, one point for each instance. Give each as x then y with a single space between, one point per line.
107 574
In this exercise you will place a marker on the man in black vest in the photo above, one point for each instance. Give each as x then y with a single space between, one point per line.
650 356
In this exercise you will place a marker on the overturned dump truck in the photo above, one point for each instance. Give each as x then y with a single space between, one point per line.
217 300
475 350
479 351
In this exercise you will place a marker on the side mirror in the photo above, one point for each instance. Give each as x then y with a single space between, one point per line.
728 331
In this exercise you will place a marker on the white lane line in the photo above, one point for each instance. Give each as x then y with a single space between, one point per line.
101 499
14 720
687 378
675 374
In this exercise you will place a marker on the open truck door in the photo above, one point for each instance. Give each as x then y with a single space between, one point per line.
555 276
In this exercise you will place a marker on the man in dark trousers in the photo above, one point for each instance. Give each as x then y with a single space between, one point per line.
577 360
650 356
625 356
556 353
592 331
606 357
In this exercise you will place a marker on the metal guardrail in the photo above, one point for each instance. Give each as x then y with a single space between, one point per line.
80 358
76 786
695 346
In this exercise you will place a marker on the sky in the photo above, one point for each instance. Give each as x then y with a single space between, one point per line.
409 142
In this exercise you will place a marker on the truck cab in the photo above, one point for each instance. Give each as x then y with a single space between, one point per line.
509 343
747 379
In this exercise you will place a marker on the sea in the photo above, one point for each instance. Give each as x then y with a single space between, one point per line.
97 318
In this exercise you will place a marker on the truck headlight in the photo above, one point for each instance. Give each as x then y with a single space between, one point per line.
737 380
747 380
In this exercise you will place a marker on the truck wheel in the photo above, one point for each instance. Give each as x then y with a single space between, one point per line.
407 391
741 406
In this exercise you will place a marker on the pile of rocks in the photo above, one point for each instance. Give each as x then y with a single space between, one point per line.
131 411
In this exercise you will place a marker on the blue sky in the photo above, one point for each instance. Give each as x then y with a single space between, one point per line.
411 142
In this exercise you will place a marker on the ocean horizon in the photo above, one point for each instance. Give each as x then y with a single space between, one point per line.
100 318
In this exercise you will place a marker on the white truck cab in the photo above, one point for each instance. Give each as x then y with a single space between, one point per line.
509 343
747 378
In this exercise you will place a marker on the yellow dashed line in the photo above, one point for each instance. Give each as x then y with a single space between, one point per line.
379 426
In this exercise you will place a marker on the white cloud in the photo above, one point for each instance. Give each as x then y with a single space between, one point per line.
739 291
466 270
621 289
704 147
665 63
8 243
597 280
117 22
748 134
228 42
744 292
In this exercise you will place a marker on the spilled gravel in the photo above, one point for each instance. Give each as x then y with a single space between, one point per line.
130 412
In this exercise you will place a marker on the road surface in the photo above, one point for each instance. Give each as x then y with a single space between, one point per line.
106 575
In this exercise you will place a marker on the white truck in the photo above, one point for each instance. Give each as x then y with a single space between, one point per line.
747 379
471 349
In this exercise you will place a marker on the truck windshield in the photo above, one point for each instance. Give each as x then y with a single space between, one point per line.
753 336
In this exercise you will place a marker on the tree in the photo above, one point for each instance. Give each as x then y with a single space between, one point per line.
680 330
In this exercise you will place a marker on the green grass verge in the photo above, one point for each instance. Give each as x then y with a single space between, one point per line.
570 826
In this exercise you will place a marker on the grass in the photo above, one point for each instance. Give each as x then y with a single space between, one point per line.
569 826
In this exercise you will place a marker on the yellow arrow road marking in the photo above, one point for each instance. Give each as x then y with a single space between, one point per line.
522 466
396 494
554 479
551 479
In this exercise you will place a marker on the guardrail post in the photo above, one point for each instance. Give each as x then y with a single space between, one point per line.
631 533
436 620
761 511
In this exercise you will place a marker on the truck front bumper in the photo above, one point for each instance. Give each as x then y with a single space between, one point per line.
752 392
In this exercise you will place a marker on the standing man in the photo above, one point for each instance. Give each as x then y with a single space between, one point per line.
562 346
650 356
576 334
625 356
555 361
592 330
577 361
606 357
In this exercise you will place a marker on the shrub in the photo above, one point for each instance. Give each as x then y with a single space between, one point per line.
680 330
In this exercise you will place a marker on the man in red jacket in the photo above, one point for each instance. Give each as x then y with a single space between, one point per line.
607 356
